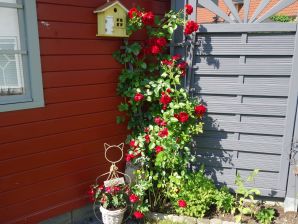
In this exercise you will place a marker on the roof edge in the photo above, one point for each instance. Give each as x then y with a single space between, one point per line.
101 9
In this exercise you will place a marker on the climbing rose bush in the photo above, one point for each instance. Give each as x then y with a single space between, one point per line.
161 115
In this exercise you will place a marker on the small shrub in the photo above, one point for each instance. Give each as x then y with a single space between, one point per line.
243 193
265 215
282 18
196 194
224 200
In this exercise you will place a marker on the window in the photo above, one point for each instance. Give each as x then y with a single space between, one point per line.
120 22
20 70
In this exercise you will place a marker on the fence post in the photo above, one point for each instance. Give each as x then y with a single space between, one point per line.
291 201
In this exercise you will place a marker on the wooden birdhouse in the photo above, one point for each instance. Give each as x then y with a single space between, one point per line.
111 19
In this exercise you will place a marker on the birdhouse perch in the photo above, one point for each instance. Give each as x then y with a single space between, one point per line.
111 19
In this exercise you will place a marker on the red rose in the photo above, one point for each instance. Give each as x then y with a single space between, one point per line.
148 18
109 190
151 41
147 138
182 117
133 198
103 200
161 41
137 153
90 192
146 130
157 120
138 215
133 144
155 49
117 188
165 98
91 195
169 90
191 27
182 66
133 12
167 62
129 157
101 187
176 57
158 149
138 97
163 133
163 123
182 203
188 9
145 51
200 110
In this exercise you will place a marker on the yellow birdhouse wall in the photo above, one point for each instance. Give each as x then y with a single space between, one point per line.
112 22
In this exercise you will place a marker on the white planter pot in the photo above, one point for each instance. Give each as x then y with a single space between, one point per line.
112 217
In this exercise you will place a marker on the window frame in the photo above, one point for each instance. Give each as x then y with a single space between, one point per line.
33 96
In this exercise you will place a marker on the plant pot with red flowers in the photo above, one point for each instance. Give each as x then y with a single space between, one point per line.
112 202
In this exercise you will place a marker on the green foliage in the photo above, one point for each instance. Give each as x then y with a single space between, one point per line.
200 194
282 18
265 215
224 200
243 193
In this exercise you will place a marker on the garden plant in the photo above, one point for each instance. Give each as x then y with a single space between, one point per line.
163 119
161 115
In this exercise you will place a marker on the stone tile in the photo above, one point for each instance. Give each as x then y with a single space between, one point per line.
227 222
203 221
61 219
83 215
175 218
215 221
185 219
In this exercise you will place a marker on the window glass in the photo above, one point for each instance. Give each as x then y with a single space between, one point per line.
9 1
11 72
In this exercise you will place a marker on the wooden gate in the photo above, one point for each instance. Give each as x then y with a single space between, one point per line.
246 73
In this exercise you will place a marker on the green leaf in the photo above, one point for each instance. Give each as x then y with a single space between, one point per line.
238 218
246 211
151 145
173 119
143 65
123 107
120 119
170 30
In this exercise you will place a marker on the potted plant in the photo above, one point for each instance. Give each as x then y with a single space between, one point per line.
112 200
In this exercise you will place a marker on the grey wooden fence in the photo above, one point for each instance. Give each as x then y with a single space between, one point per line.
246 73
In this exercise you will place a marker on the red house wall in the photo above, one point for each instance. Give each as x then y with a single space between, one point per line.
49 156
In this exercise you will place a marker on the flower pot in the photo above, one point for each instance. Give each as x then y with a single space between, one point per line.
112 217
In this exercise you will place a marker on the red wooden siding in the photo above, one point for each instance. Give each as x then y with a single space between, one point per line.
49 156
